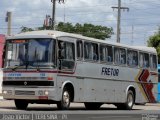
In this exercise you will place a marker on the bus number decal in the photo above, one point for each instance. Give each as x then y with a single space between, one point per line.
42 74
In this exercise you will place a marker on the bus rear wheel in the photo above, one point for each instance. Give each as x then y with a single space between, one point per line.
64 104
129 102
92 106
21 104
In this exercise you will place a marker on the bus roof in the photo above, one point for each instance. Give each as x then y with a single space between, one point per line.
55 34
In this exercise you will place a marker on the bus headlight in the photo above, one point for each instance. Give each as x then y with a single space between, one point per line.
9 92
41 92
46 92
4 92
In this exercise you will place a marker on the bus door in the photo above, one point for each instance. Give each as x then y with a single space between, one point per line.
66 55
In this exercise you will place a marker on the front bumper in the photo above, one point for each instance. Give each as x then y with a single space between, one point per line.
29 93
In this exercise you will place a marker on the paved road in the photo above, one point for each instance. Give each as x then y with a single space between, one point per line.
6 105
78 112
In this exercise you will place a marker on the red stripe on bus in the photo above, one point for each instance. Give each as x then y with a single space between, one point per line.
147 86
154 73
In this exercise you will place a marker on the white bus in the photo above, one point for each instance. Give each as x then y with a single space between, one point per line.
53 67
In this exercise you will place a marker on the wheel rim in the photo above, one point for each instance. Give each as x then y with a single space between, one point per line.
66 99
130 100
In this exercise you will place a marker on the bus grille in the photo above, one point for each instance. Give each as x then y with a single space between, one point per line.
19 92
28 83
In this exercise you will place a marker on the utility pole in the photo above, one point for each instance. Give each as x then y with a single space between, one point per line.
64 13
119 18
8 20
54 11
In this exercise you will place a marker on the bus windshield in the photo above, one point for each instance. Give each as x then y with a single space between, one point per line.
30 53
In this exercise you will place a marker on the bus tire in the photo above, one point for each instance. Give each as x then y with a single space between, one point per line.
64 104
92 106
21 104
129 102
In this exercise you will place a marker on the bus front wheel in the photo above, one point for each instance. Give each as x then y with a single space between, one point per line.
21 104
64 104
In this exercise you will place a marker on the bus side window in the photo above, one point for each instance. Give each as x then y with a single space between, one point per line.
116 55
132 58
129 58
87 51
79 49
153 62
106 54
120 56
110 54
91 51
141 60
103 53
135 58
95 52
146 60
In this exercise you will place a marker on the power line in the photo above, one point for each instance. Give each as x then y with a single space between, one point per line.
70 15
100 21
11 28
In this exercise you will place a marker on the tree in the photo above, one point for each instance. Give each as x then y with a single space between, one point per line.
26 29
65 27
154 41
89 30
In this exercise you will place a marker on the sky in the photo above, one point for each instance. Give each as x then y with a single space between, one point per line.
137 25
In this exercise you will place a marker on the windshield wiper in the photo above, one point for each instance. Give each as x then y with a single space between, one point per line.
17 66
20 66
53 66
